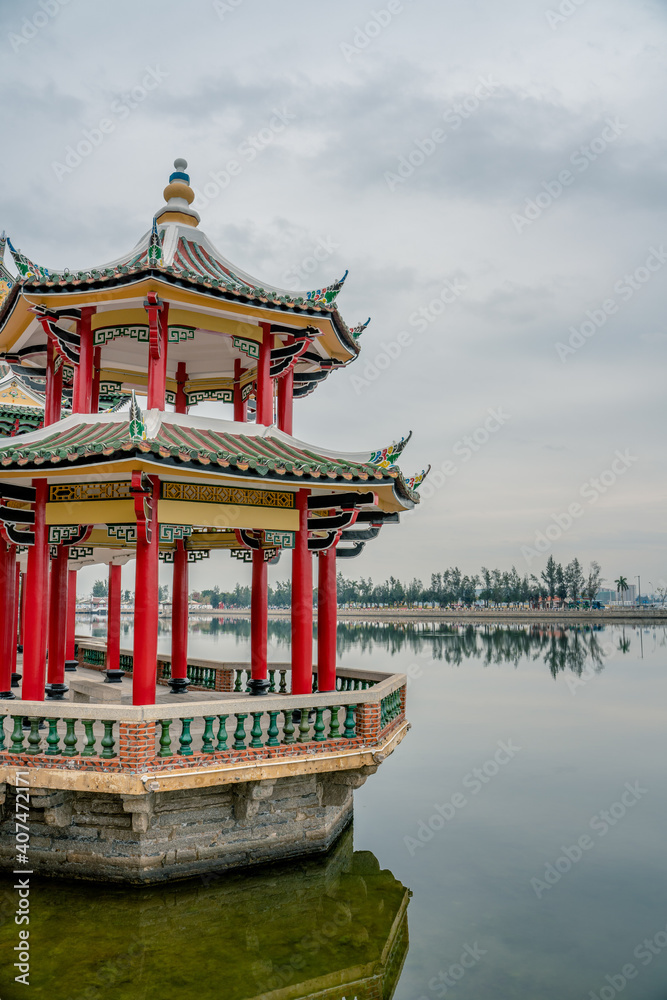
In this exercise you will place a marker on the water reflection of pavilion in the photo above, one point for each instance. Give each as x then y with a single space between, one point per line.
331 927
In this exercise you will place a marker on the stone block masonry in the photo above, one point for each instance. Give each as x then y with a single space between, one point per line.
176 834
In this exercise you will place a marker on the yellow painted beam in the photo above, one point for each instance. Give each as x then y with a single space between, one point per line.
91 512
218 515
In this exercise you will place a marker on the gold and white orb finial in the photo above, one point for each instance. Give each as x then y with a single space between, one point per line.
178 197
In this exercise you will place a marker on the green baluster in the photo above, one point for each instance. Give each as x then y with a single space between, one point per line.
33 736
288 728
350 731
238 677
313 686
222 733
319 725
89 748
17 735
248 678
256 731
207 738
283 682
334 725
304 727
165 738
185 739
357 685
272 682
70 739
273 730
239 735
2 732
383 713
108 742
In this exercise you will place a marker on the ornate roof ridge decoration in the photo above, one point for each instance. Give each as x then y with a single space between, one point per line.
136 426
177 441
357 330
414 482
384 459
24 265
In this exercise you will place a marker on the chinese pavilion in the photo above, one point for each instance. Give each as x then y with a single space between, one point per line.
118 478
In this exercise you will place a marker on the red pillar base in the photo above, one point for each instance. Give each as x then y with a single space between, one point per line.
178 681
259 625
114 674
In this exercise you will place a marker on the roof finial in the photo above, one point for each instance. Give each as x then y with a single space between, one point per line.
178 196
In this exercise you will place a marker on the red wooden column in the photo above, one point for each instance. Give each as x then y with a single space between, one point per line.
179 621
240 406
36 604
70 661
56 687
83 375
95 392
16 619
259 624
327 620
181 378
158 319
113 672
7 620
21 613
302 604
54 386
144 671
264 381
286 402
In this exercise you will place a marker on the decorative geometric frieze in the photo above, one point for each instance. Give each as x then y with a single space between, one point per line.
174 532
79 552
194 555
81 492
245 555
203 395
170 397
122 532
140 333
209 493
249 347
59 533
180 333
108 333
281 539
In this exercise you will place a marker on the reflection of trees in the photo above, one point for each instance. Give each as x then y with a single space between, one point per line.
574 648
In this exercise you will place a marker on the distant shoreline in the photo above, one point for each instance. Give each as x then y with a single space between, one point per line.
493 615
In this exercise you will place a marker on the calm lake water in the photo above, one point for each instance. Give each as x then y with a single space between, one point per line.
525 812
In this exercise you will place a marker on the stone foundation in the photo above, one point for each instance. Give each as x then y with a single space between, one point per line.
167 835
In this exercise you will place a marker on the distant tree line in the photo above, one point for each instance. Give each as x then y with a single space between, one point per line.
492 586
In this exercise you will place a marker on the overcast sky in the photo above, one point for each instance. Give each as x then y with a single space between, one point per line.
493 176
